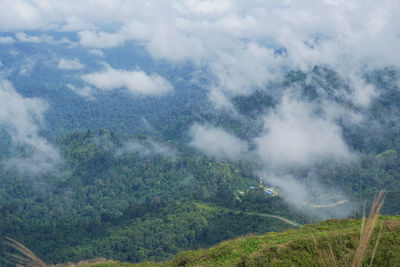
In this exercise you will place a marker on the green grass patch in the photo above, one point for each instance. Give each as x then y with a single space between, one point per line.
335 240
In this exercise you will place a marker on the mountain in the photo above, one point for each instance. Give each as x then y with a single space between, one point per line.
330 243
152 186
135 130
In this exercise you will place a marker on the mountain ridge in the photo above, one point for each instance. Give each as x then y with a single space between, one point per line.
295 247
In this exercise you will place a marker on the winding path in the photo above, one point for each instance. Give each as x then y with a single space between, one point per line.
273 216
292 223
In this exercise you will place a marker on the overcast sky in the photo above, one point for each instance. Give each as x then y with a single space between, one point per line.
236 40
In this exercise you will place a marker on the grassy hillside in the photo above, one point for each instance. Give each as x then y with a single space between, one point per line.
329 243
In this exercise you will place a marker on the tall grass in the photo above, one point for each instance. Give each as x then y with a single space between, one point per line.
319 251
26 258
367 227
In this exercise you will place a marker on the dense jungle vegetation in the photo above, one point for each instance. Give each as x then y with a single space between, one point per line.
132 192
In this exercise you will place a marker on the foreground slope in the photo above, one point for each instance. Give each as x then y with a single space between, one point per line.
329 243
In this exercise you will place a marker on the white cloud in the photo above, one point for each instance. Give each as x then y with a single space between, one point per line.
148 148
136 82
236 42
27 66
44 38
70 64
295 136
208 7
6 40
293 190
304 194
245 69
220 100
96 52
25 38
19 14
101 39
23 118
215 142
348 33
169 43
362 93
85 91
74 23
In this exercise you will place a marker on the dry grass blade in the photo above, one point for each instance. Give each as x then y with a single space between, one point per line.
318 250
27 257
376 246
332 255
367 228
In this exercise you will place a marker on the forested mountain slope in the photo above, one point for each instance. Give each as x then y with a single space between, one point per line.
142 197
135 130
330 243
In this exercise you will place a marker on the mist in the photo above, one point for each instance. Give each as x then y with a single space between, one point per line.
217 143
294 135
23 118
136 82
243 47
148 148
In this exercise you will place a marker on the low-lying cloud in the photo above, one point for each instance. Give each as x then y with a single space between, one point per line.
148 148
244 46
70 64
218 143
6 40
85 91
136 82
44 38
27 65
22 117
306 195
295 135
